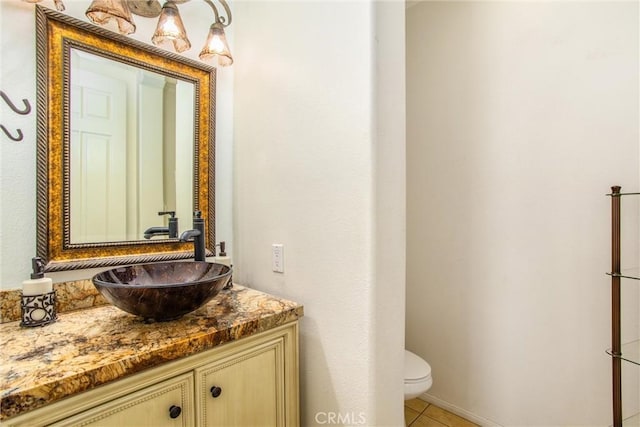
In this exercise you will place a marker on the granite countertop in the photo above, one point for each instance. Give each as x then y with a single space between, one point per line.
90 347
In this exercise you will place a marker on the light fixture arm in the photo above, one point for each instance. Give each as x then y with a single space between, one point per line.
219 18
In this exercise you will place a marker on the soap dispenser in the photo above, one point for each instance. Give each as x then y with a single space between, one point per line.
223 258
38 303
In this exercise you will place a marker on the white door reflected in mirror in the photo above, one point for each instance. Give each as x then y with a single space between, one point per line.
132 150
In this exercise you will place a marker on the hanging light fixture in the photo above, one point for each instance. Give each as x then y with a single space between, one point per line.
59 4
170 32
170 29
216 47
102 12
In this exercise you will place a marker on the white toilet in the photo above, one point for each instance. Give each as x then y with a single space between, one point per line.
417 375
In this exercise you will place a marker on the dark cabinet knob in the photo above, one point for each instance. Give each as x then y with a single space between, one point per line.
216 391
175 411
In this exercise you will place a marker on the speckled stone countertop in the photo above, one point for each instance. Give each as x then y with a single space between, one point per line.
90 347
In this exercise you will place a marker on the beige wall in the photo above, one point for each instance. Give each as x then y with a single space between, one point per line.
319 168
520 116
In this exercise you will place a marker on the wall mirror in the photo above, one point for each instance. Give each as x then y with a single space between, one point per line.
125 149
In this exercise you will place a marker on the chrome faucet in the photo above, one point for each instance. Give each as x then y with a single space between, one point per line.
171 230
197 235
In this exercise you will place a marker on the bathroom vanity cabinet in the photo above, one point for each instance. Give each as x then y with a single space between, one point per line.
249 382
627 354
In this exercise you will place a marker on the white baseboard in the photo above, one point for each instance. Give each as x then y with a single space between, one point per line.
484 422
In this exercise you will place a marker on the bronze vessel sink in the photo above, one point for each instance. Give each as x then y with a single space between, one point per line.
162 291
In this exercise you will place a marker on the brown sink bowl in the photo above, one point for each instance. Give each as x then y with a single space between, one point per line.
162 291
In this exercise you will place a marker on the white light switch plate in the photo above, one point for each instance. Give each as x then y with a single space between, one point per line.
277 257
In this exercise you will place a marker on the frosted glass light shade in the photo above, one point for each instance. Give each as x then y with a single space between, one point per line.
102 12
216 48
59 5
170 31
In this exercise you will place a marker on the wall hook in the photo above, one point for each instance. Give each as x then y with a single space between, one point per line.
18 138
27 106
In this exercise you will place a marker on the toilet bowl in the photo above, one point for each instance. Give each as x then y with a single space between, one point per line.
417 375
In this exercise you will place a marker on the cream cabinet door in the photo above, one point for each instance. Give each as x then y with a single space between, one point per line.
169 403
244 389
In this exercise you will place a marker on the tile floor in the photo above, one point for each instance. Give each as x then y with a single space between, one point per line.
418 413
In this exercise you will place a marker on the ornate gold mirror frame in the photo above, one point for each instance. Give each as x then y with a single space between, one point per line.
56 35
